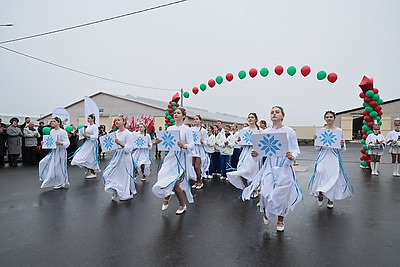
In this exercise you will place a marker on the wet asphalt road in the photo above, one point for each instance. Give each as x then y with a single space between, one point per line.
81 226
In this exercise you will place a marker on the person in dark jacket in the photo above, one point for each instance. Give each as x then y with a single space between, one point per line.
3 139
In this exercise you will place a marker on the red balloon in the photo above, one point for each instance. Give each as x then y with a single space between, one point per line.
367 118
278 70
332 77
370 124
369 161
169 123
364 136
367 99
373 104
305 70
211 83
253 72
364 133
380 113
363 151
169 106
375 90
362 95
195 90
378 108
166 120
170 110
365 113
229 77
177 105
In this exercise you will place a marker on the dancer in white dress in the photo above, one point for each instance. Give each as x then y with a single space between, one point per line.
200 160
177 167
393 141
247 167
118 175
87 155
280 191
53 167
210 148
141 156
375 143
329 178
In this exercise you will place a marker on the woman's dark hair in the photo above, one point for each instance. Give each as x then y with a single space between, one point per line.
93 117
331 112
255 115
198 116
14 119
145 128
281 108
183 112
59 121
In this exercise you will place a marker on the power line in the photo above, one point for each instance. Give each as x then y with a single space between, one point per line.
84 73
93 22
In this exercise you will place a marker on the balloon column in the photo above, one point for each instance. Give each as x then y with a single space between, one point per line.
169 112
372 112
253 72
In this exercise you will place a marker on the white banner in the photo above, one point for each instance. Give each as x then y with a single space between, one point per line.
63 114
91 108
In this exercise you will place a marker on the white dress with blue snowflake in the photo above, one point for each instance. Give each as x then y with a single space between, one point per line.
200 149
53 167
175 164
247 167
329 175
141 156
87 154
280 191
393 137
118 175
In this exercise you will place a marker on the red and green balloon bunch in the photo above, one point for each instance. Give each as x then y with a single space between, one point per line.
372 112
253 72
169 112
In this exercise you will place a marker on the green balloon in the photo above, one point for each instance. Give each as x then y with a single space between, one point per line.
46 130
68 129
375 97
219 79
365 122
291 70
80 127
242 74
203 87
166 113
173 103
365 147
366 128
186 94
379 122
370 93
370 132
380 101
264 72
369 109
169 117
321 75
365 104
378 118
373 114
174 107
172 120
364 163
166 125
363 141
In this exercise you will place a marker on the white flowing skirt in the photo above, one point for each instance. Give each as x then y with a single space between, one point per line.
247 168
87 155
200 152
118 175
330 177
175 164
141 156
53 168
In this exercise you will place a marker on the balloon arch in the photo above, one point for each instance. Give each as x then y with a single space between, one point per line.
253 72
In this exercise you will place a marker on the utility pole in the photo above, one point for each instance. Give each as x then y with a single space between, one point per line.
181 97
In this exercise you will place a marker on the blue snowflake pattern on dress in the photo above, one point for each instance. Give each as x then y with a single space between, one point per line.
328 138
108 142
50 141
195 137
168 140
269 145
140 142
247 137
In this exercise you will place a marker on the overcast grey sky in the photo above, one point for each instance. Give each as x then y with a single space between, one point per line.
184 45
